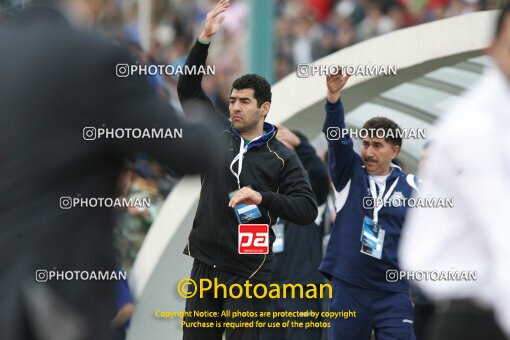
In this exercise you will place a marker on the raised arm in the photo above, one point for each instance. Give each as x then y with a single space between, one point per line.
131 103
340 150
189 87
317 172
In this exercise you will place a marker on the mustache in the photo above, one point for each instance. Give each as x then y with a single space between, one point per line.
370 160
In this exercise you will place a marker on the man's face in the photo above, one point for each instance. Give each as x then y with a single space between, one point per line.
500 48
377 154
244 113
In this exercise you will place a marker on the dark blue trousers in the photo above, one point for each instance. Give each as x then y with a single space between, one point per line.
390 315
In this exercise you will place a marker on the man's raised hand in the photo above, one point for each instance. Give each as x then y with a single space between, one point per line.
213 20
335 82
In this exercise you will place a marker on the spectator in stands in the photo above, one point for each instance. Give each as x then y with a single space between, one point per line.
134 222
294 42
375 23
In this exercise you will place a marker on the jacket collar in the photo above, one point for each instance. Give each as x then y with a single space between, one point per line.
269 131
395 171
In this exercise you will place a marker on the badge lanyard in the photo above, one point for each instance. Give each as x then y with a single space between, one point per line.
378 199
242 150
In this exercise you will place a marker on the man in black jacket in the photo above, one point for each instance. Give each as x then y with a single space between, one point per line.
55 81
257 171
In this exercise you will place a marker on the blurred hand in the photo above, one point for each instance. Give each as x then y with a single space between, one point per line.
133 211
335 82
245 196
123 315
213 20
287 137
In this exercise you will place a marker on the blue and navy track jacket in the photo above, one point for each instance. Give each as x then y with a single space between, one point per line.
343 259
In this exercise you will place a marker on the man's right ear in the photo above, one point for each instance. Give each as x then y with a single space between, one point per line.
265 108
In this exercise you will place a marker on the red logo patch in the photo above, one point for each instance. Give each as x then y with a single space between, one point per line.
253 239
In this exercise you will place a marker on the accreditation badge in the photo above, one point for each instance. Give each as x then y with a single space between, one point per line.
245 212
279 232
372 238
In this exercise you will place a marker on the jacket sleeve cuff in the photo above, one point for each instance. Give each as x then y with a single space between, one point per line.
203 42
267 199
201 47
331 107
334 116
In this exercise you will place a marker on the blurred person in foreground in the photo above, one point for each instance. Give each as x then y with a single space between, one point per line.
255 181
470 163
423 307
56 80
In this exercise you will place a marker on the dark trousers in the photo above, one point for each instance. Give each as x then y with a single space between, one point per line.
464 320
390 315
423 314
219 304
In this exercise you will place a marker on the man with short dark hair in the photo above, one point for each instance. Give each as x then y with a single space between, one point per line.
386 127
257 179
370 193
472 236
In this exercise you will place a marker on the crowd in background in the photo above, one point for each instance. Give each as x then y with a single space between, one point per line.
305 30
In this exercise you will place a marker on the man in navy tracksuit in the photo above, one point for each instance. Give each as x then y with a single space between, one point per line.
361 256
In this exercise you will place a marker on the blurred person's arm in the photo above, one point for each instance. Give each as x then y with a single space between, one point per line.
125 305
129 103
123 315
340 151
148 214
317 172
295 201
189 86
